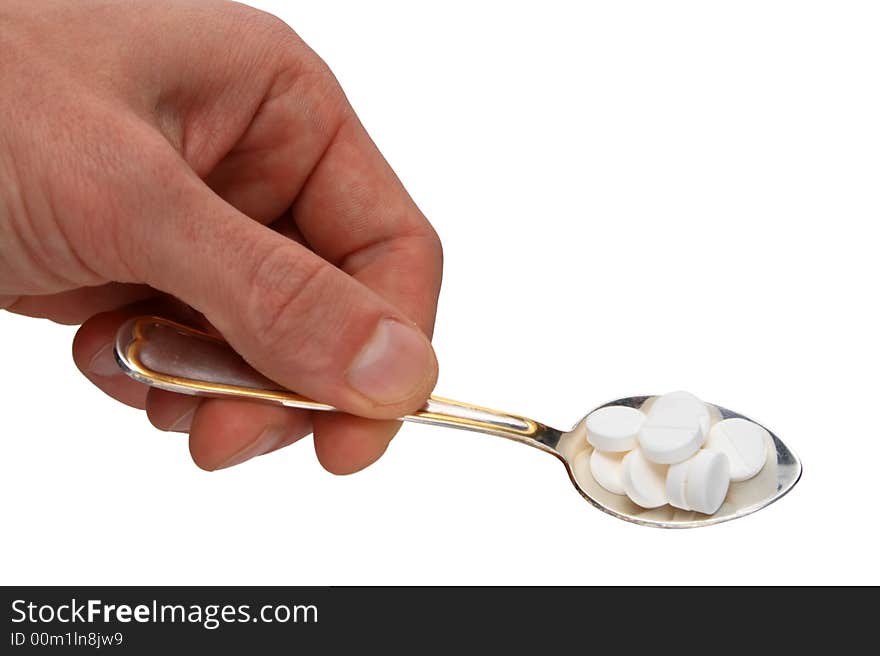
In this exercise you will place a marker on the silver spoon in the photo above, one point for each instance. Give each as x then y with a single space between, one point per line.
165 354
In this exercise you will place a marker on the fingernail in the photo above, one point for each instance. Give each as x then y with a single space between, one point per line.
184 423
267 440
392 365
103 363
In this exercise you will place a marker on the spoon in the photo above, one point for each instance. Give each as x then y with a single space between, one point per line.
168 355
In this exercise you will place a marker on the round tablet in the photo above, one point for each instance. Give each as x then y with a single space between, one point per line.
683 403
643 481
607 469
614 428
667 445
675 428
744 443
708 478
676 485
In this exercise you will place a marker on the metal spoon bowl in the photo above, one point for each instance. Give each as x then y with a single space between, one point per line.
165 354
780 473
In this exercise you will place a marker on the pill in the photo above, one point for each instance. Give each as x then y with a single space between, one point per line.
607 469
683 402
743 442
666 445
676 485
708 479
643 481
675 428
614 428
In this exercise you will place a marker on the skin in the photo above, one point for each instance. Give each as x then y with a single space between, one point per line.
198 160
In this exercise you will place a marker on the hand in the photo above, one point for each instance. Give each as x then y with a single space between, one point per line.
201 152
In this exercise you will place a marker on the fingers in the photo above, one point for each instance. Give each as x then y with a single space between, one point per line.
302 110
347 326
75 306
93 346
346 444
93 355
291 314
306 148
351 209
222 432
355 212
171 412
226 433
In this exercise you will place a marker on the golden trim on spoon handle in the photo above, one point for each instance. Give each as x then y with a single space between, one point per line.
178 358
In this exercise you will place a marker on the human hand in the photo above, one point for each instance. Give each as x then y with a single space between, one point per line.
201 151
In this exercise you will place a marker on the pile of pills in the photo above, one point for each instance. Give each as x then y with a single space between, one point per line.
677 452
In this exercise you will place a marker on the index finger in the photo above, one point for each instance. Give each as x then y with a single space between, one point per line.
355 213
306 151
314 156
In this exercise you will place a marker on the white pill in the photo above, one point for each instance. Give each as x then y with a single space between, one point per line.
683 403
708 478
614 428
667 445
676 485
674 429
643 481
744 443
607 469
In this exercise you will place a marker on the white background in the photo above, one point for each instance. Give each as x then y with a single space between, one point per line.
633 198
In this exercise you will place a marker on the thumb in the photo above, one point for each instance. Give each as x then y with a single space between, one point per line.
293 316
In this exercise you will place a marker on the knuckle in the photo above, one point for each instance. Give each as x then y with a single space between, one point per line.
426 247
306 77
259 21
302 74
269 36
298 71
434 248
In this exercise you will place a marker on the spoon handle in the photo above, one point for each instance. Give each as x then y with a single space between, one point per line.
168 355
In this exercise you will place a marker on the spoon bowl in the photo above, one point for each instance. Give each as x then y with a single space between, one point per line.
177 358
778 476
